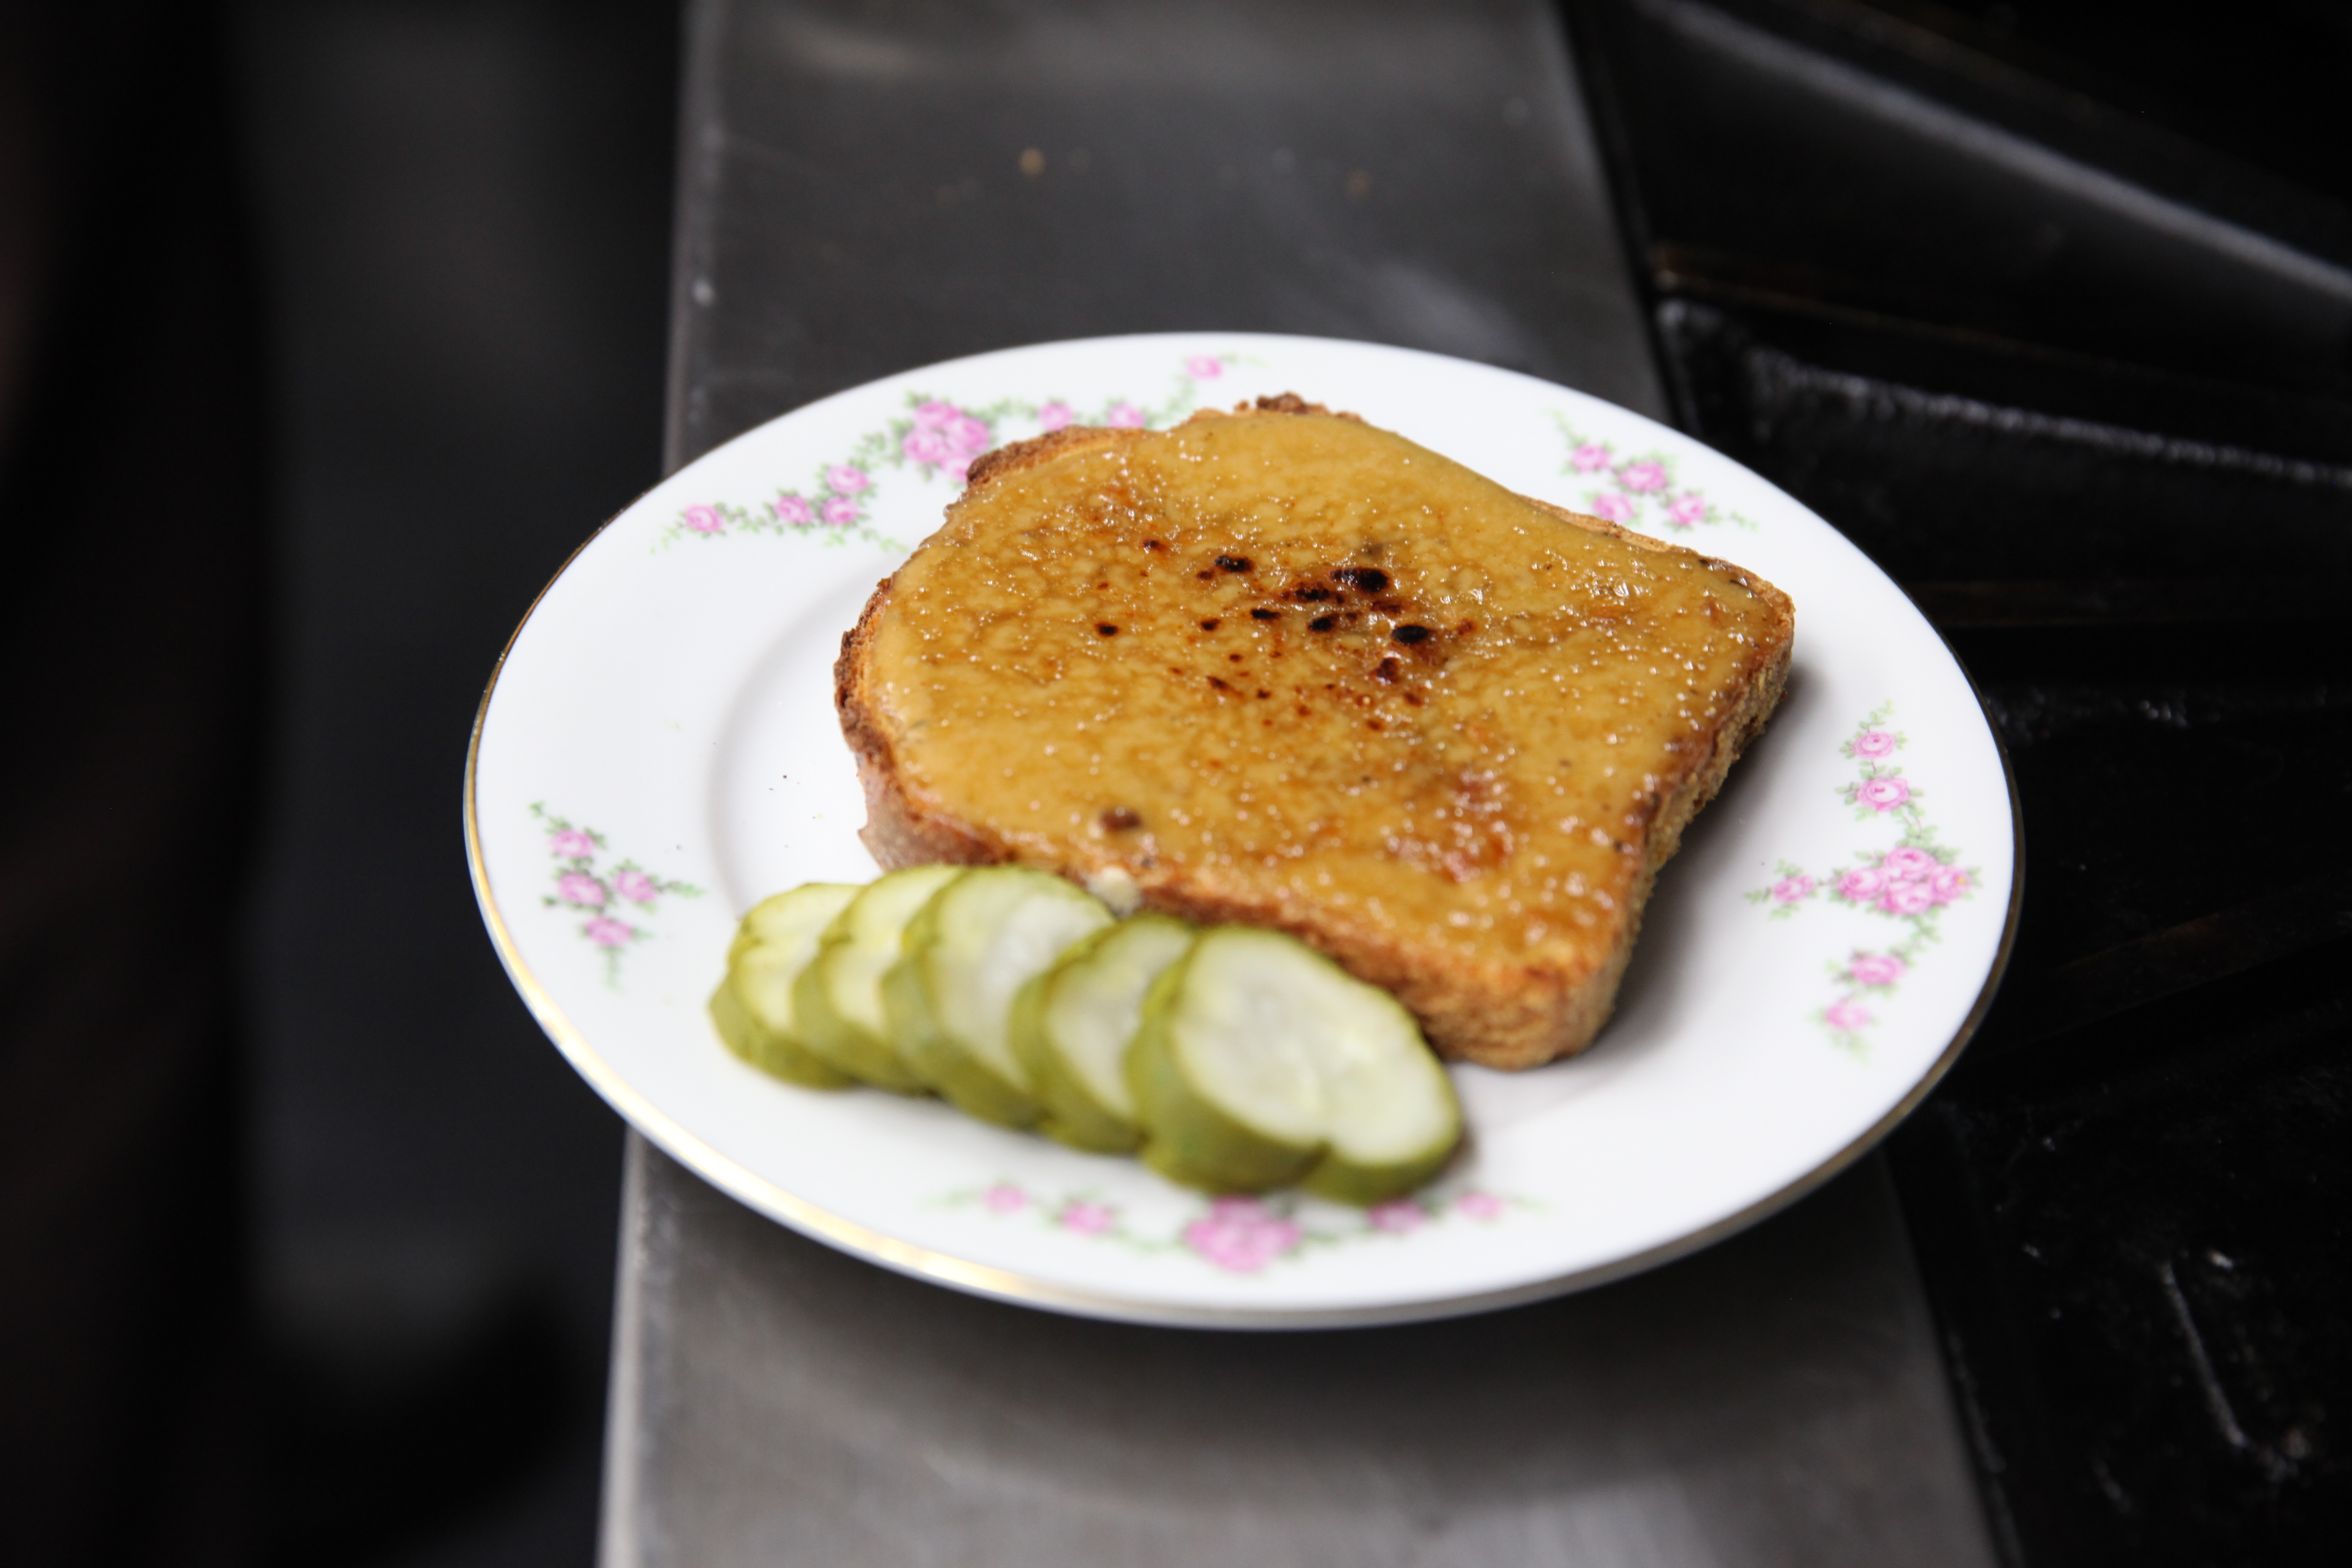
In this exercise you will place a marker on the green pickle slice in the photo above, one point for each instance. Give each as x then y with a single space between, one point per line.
968 954
752 1007
837 999
1234 1060
1260 1063
1072 1025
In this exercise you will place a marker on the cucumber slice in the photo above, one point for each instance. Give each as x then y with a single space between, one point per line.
837 1000
777 1053
1394 1119
1072 1025
778 940
753 1006
1262 1063
968 954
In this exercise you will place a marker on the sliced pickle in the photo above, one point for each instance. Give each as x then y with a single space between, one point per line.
837 1000
969 952
1260 1063
1072 1025
753 1006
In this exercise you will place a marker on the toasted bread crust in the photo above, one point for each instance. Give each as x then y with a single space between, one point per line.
1501 1015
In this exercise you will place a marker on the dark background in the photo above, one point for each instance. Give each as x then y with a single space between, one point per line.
463 214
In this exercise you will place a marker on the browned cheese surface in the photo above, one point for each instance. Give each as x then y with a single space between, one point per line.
1319 667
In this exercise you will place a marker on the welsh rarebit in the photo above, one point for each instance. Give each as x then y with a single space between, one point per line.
1280 668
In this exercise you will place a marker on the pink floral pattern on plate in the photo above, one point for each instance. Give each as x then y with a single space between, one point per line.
935 439
611 901
1242 1235
1909 883
1635 490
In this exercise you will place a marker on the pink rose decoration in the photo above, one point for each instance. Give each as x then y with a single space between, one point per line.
792 510
1479 1205
840 511
636 887
1906 898
934 414
1642 477
1614 507
959 469
1875 969
1861 884
1004 1198
571 844
579 888
1589 458
1240 1235
1688 511
606 931
704 519
1054 416
1883 794
1947 883
1907 864
925 447
845 479
1874 744
1396 1217
968 436
1087 1219
1205 368
1847 1016
1789 890
1124 416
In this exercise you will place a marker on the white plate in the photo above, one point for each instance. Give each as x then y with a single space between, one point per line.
659 751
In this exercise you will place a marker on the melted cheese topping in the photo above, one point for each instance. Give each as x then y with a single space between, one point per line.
1317 664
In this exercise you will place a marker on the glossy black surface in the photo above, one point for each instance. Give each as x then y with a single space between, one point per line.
2137 1246
1826 148
2119 477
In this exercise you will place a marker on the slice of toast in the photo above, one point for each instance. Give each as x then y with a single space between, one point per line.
1277 666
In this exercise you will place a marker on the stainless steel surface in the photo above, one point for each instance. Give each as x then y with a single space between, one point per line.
853 199
1774 1399
859 196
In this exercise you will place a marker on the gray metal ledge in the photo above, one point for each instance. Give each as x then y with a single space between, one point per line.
855 201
